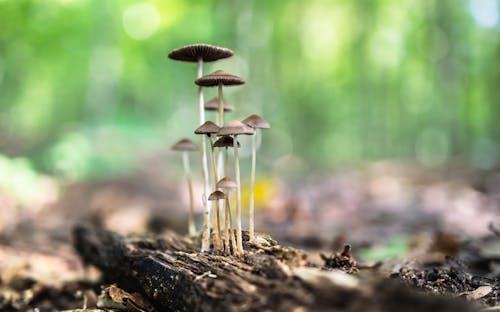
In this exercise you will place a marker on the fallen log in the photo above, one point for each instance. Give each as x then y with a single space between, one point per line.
170 273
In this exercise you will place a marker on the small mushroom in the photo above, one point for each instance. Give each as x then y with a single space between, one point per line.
213 105
256 122
199 53
235 128
215 196
226 142
185 146
228 185
209 129
218 79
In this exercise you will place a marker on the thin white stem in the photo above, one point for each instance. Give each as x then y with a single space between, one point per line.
220 123
214 165
226 161
187 171
220 98
215 207
238 198
205 242
227 215
251 223
226 224
231 231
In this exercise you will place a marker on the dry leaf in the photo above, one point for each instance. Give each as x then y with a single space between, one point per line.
480 292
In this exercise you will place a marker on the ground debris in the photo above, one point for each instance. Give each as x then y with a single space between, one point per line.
340 260
113 297
268 277
452 277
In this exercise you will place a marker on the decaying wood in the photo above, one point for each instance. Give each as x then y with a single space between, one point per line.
170 273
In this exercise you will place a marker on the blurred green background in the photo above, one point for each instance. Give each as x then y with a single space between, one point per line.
86 88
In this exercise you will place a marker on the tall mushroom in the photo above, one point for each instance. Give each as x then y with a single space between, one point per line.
185 146
209 129
199 53
235 128
256 122
228 184
218 79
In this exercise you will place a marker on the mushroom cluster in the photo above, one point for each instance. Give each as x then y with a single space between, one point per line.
221 185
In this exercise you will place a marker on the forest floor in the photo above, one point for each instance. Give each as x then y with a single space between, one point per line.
448 220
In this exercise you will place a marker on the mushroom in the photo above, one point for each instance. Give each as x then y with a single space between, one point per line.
213 105
199 53
215 196
228 185
185 146
208 129
235 128
226 141
218 79
256 122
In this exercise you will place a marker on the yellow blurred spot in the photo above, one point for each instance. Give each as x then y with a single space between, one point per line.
265 190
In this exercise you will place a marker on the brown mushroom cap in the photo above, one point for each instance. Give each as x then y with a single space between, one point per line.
225 141
226 183
219 77
217 195
195 52
207 128
213 105
184 145
256 122
235 127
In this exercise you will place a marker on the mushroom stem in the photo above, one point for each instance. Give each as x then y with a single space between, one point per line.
218 243
228 223
187 171
205 242
226 160
231 231
251 223
238 197
220 123
221 107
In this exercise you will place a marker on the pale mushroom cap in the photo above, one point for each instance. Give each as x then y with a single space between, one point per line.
207 128
184 145
213 105
195 52
217 195
225 141
219 77
235 127
226 183
256 122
